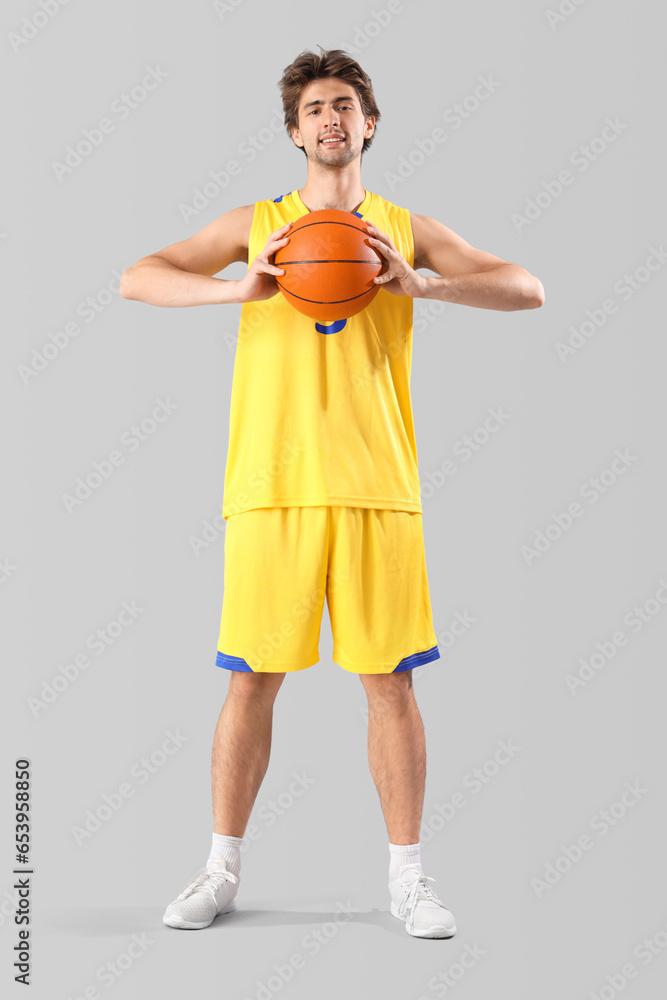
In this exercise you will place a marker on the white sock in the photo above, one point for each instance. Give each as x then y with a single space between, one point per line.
403 854
227 850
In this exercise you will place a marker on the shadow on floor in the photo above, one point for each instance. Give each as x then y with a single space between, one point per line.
101 922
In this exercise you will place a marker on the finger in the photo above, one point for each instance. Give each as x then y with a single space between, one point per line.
380 246
265 266
278 235
378 233
273 249
273 246
382 239
386 242
389 274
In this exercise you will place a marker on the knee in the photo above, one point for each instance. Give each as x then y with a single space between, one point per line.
254 686
388 690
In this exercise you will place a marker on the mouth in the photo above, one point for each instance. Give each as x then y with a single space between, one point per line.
333 140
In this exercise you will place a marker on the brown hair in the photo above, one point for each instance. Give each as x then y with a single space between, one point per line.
308 66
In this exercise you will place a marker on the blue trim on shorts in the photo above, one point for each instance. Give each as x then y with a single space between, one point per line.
408 662
232 662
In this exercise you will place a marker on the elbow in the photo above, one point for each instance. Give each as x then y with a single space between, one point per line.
534 295
125 284
525 290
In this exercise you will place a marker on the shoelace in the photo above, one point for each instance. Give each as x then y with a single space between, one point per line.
207 880
418 890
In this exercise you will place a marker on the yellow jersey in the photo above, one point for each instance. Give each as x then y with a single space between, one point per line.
321 413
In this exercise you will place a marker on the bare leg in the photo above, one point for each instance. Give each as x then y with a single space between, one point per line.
396 752
241 748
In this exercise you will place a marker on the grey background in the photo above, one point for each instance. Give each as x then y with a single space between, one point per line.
505 679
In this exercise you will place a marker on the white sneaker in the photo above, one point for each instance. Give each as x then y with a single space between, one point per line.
415 902
212 891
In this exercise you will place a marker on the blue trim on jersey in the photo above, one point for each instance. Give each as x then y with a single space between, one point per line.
358 214
334 327
232 662
408 662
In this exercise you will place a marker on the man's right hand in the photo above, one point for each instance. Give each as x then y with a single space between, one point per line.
260 280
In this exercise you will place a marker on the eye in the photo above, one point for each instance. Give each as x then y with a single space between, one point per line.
343 107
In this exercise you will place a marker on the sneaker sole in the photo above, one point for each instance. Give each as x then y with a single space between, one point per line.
433 932
173 920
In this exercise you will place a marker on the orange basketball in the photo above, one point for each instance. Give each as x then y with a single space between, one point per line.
329 265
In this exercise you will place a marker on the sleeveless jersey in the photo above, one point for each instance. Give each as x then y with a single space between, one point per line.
321 413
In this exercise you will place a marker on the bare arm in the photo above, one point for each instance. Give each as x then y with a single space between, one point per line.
182 274
468 276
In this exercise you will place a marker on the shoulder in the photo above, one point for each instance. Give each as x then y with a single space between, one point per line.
245 213
239 221
433 239
423 229
440 249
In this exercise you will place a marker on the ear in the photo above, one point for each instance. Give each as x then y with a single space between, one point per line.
370 127
296 137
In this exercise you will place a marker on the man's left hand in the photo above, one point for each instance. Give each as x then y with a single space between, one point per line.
398 278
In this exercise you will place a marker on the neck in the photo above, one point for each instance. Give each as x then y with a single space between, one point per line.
326 192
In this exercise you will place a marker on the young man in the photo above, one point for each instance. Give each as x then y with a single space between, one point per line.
322 493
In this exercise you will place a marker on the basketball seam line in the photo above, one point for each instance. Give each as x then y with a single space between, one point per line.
322 302
332 222
328 260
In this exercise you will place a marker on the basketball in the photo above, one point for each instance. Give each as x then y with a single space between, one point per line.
329 265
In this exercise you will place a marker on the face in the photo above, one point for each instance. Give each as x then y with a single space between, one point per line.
327 108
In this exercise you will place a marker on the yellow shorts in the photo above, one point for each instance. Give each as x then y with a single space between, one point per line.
280 562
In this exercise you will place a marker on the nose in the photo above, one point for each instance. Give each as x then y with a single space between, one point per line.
331 118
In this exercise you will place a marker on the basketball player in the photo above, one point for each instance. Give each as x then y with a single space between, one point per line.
321 493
